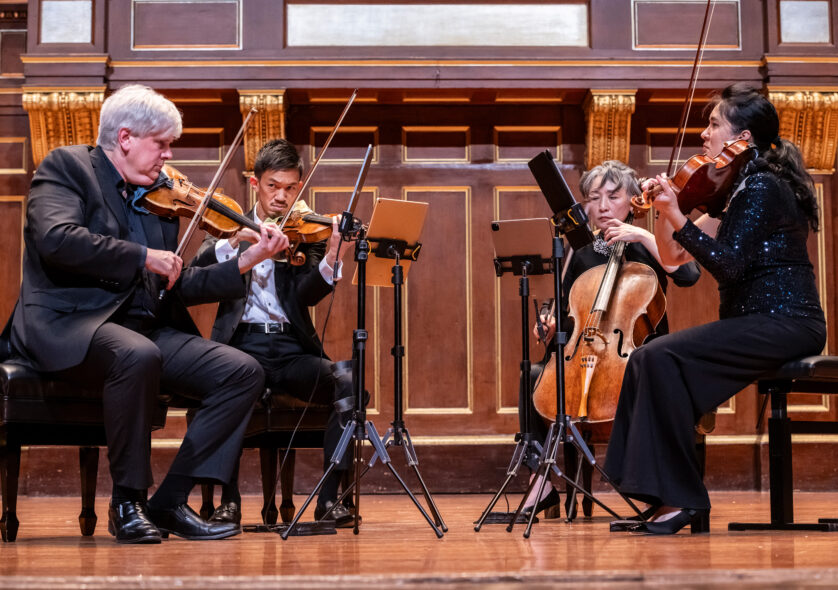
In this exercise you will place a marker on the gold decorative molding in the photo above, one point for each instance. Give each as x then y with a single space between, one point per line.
809 119
608 114
62 116
268 122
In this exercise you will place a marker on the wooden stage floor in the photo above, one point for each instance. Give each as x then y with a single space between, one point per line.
395 547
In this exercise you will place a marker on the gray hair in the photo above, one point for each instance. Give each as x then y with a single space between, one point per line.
141 110
610 171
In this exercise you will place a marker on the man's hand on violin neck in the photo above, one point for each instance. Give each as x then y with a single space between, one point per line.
243 235
271 241
164 263
334 244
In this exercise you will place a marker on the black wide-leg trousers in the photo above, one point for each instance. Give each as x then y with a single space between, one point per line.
673 380
133 366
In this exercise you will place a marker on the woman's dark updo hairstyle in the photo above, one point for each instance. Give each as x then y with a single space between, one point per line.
744 107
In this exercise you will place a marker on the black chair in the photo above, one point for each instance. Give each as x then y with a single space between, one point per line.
274 419
38 410
814 374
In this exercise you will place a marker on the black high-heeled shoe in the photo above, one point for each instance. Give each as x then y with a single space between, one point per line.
549 504
699 521
632 522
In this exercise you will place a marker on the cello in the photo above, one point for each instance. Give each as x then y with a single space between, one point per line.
614 307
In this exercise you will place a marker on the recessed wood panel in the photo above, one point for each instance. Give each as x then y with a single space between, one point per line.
659 142
519 143
676 24
199 146
12 45
436 144
349 145
11 244
13 155
515 203
186 24
438 331
342 318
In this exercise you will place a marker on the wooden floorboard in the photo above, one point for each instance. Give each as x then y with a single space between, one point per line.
396 547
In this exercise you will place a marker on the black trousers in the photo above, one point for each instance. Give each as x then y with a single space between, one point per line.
675 379
292 370
133 366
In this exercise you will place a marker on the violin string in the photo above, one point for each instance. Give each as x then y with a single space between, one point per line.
685 113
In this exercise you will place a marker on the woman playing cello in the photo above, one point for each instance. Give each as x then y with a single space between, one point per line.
769 313
606 192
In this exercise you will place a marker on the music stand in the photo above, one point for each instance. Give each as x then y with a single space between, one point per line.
570 220
349 226
399 225
522 247
393 214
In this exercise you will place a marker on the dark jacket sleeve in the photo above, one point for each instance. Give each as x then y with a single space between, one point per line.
686 275
310 286
206 280
61 230
751 217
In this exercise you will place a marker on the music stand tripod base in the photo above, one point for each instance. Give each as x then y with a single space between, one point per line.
358 428
301 529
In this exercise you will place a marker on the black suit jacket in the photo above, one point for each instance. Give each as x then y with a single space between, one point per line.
297 288
79 267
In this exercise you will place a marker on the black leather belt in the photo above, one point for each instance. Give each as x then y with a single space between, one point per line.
264 328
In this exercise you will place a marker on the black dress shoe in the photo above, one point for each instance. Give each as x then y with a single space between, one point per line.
340 514
183 522
129 523
633 522
227 512
549 504
699 521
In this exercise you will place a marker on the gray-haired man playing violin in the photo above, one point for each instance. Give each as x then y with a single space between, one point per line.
89 311
272 323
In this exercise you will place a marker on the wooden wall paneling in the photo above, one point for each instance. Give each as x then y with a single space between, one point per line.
677 25
516 202
11 244
342 319
162 25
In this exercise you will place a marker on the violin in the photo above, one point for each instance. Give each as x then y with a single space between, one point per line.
703 183
223 218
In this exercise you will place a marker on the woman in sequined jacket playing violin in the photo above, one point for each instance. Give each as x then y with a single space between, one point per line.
769 313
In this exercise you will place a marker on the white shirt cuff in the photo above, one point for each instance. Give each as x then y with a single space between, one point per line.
328 272
224 251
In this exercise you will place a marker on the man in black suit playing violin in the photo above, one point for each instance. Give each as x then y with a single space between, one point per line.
272 322
89 311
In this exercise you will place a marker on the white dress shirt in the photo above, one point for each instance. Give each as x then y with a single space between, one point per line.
262 304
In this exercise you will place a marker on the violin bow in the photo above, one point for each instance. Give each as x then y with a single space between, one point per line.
199 211
317 160
685 111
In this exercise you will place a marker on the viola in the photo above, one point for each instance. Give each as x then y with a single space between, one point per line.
223 218
703 183
178 197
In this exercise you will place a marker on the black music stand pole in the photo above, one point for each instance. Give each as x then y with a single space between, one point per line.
398 434
358 428
526 446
